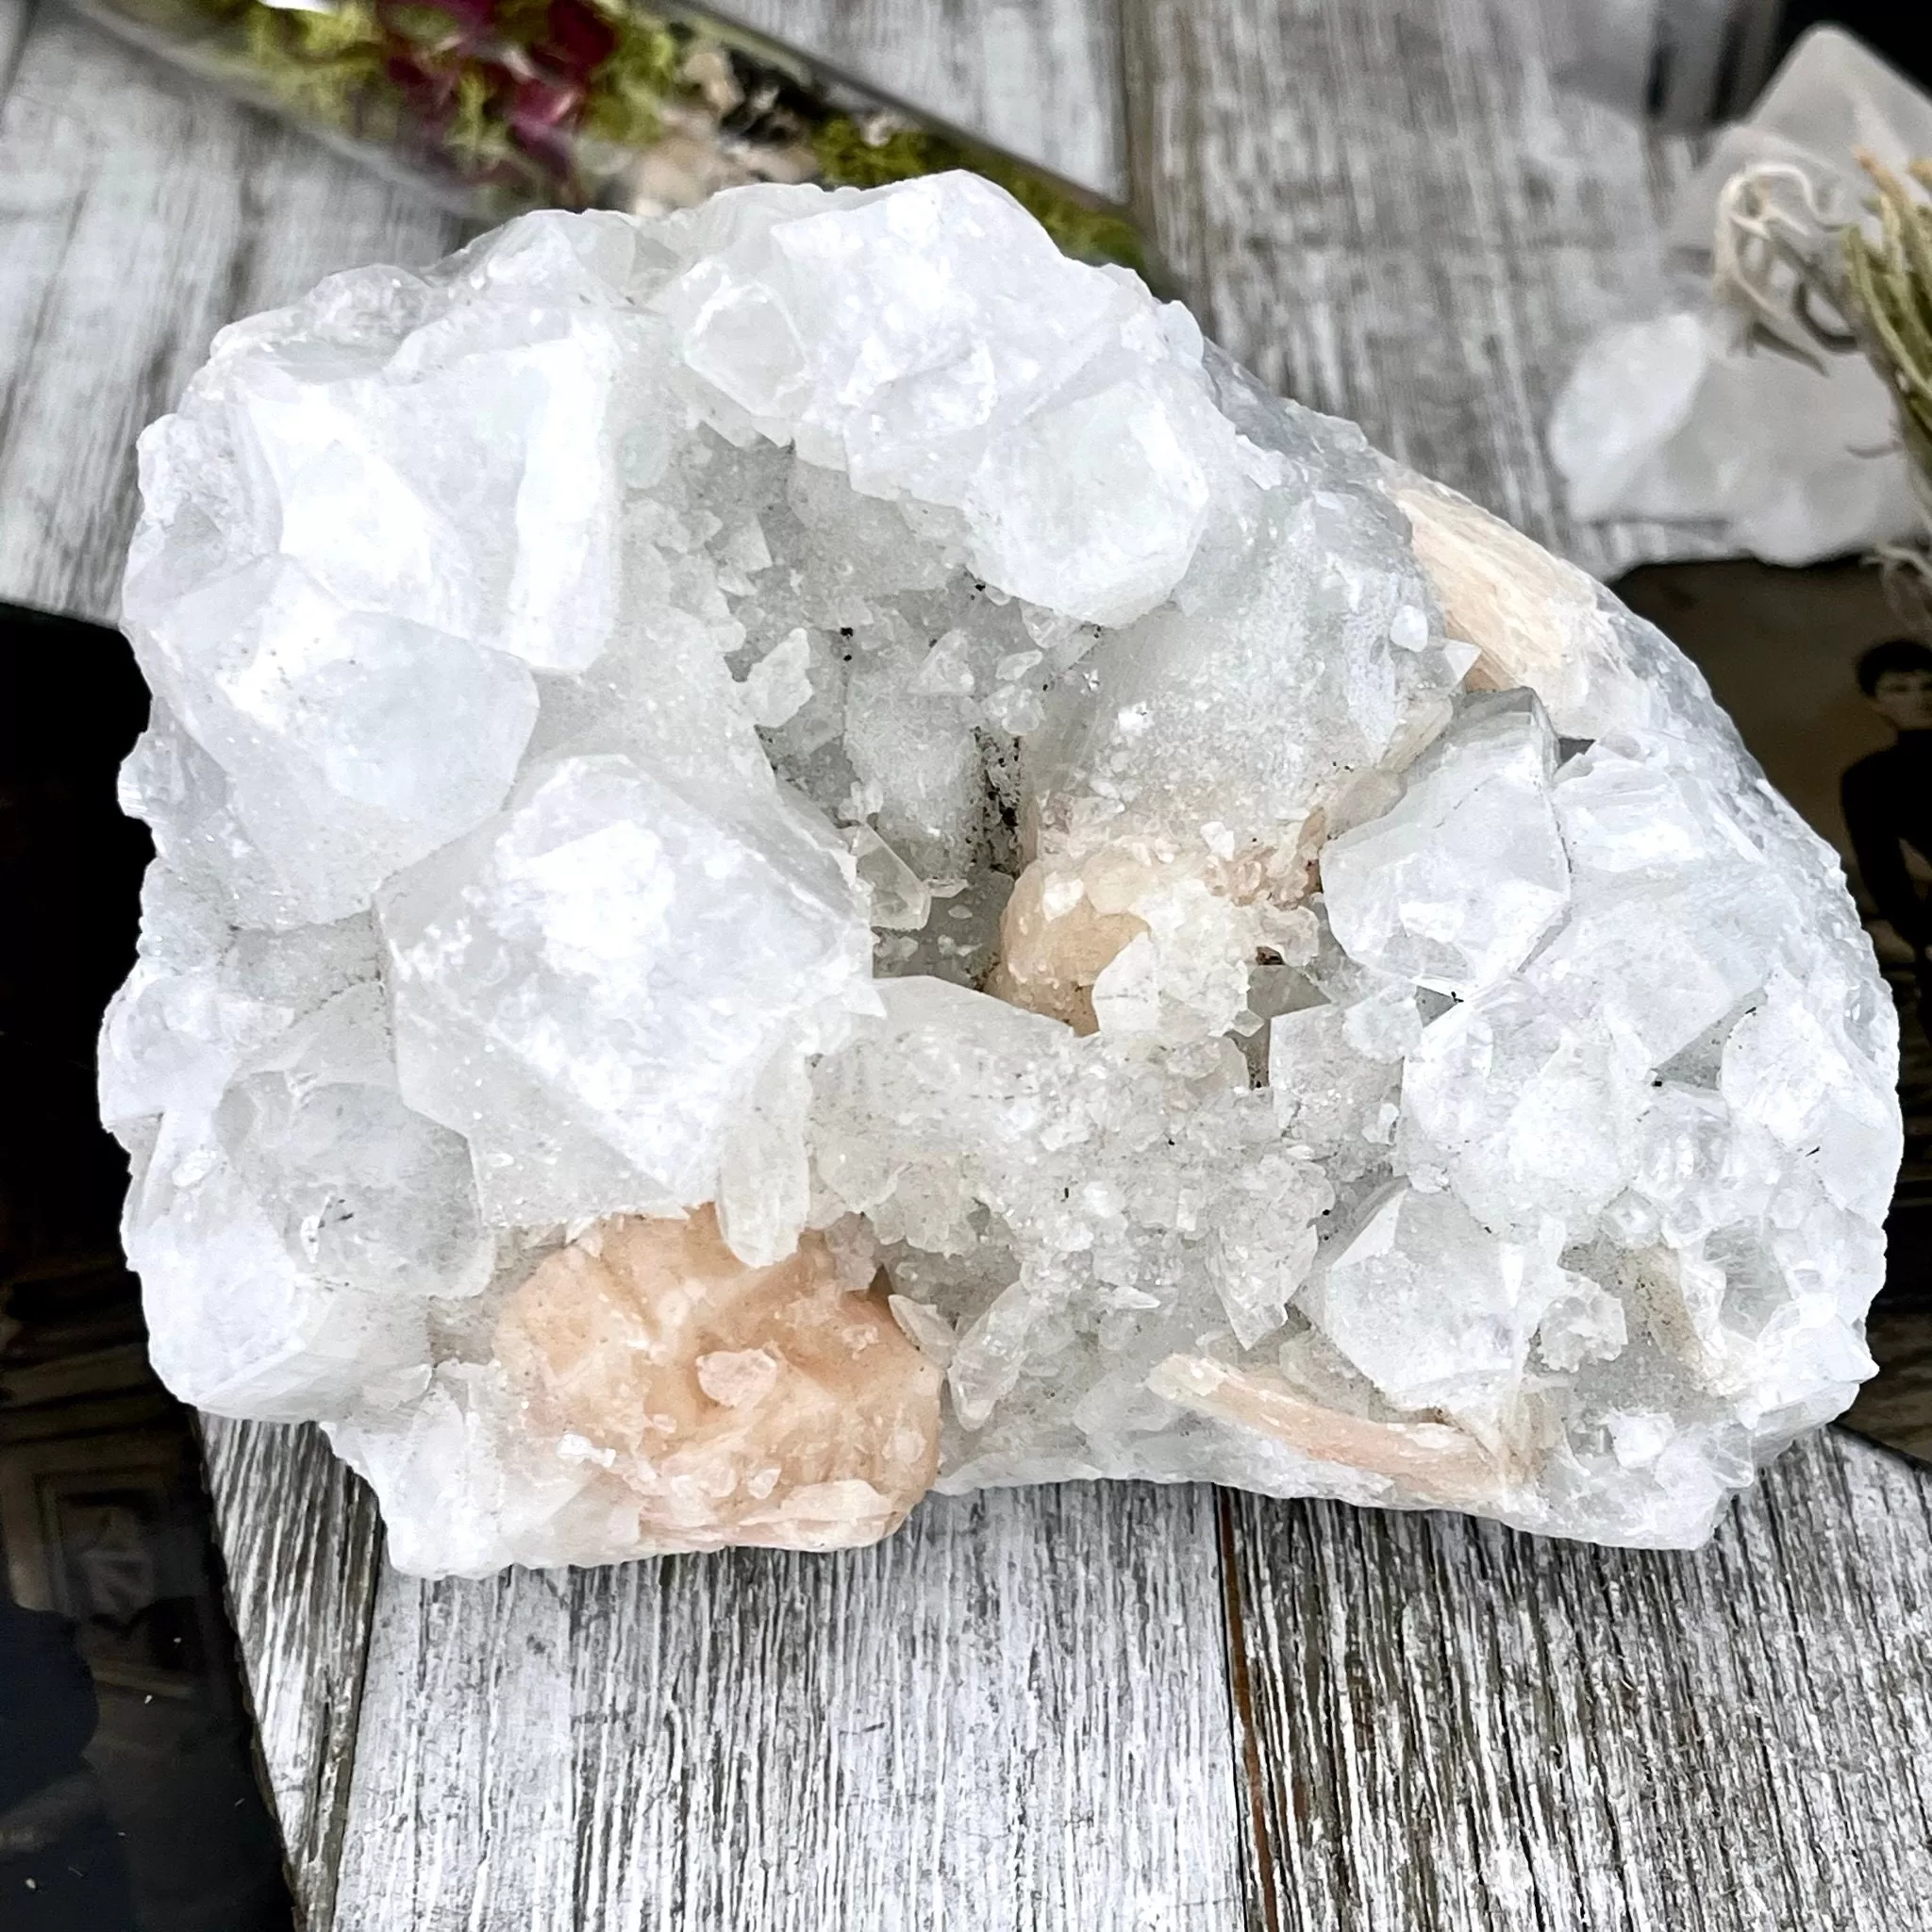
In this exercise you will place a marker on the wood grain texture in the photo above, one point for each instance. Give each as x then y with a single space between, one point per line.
300 1543
1040 77
13 21
1457 1728
129 233
1389 210
1011 1715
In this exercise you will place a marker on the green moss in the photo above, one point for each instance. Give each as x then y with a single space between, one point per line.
321 65
629 90
477 133
422 26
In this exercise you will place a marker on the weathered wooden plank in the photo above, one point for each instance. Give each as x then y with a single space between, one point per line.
127 239
1011 1715
13 21
128 236
1390 211
299 1543
1456 1727
1040 77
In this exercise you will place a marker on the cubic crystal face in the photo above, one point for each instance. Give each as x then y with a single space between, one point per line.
803 851
624 963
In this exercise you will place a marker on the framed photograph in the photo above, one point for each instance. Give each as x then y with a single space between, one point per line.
101 1529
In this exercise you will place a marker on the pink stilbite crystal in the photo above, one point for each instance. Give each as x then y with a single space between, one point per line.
778 1406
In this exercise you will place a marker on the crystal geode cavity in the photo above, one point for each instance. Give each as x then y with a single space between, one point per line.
802 848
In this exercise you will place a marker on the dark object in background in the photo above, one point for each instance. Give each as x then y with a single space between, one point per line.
61 1859
1684 64
1711 58
129 1796
1689 65
1899 29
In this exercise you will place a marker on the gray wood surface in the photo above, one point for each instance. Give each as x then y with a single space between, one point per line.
1091 1707
1388 210
1450 1725
1011 1715
301 1543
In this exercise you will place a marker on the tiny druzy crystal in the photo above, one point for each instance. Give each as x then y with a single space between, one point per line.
804 850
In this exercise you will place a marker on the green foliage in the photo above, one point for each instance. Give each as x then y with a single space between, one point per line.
318 65
478 133
629 90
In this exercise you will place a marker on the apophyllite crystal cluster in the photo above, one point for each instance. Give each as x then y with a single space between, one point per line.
805 853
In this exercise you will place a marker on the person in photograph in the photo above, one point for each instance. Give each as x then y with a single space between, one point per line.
1888 798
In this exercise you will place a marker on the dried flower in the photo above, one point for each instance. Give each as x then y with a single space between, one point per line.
504 105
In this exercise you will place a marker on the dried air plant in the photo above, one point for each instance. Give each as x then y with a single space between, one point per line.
1807 280
1775 264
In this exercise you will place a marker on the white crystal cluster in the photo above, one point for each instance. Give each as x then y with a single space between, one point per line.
802 844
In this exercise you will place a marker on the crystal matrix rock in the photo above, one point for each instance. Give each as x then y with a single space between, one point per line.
804 850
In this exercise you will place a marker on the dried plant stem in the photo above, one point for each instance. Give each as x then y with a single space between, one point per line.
1786 266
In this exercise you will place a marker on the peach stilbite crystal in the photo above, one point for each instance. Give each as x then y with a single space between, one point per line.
1055 942
778 1406
1432 1458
